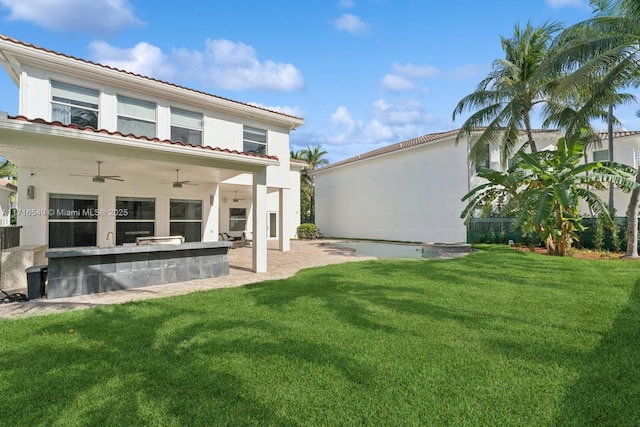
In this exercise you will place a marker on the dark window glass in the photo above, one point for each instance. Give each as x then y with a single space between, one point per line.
186 210
191 231
131 208
188 136
66 234
127 232
72 220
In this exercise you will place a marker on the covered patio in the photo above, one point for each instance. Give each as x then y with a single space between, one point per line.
55 159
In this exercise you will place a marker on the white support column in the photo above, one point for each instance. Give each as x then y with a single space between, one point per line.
260 221
284 243
211 224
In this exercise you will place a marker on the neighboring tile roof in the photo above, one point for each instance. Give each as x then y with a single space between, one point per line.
431 137
143 138
20 42
424 139
619 134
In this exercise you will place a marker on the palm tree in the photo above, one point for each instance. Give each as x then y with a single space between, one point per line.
544 189
314 157
503 102
607 46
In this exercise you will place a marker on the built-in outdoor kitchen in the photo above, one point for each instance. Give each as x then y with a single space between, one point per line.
151 261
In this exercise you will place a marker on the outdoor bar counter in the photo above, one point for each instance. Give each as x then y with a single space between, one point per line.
79 271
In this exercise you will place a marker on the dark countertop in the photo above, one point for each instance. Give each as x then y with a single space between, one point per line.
117 250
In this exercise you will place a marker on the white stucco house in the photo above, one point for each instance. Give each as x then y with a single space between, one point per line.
7 189
412 190
106 156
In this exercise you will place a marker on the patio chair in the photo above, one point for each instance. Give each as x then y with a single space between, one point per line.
224 237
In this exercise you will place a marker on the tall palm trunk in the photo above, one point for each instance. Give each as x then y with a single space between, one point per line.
610 136
527 125
632 221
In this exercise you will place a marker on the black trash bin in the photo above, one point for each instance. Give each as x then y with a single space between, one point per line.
36 279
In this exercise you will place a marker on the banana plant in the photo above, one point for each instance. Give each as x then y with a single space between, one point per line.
544 191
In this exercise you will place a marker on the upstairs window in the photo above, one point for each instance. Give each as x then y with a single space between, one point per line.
136 117
254 140
483 159
186 127
601 156
74 105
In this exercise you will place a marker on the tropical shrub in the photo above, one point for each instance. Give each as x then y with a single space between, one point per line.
307 231
543 191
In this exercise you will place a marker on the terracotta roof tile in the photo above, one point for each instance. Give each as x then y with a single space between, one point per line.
431 137
395 147
143 138
30 45
619 134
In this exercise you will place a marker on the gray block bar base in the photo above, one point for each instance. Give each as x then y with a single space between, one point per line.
80 271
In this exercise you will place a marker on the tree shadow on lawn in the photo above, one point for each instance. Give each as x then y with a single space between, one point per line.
136 364
607 390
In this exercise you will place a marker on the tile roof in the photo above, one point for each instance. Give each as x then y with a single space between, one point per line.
32 46
619 134
143 138
424 139
431 137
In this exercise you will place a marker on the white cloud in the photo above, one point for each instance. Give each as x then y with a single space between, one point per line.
568 3
342 117
292 111
143 58
388 123
98 17
346 4
350 23
415 71
404 76
221 64
235 66
395 83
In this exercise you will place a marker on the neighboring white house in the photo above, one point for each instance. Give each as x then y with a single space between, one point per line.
105 156
7 189
412 190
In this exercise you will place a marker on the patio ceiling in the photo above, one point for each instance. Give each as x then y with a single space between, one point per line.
77 152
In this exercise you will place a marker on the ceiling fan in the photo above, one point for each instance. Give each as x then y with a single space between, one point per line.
177 183
99 177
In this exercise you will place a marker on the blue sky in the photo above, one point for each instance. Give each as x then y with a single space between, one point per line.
362 73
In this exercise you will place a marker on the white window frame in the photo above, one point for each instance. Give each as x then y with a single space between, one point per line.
81 215
139 118
255 144
237 218
191 221
74 97
189 121
123 214
600 153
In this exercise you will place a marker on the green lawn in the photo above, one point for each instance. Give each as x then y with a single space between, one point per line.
499 338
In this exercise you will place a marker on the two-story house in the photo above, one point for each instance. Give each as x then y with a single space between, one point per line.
106 156
412 190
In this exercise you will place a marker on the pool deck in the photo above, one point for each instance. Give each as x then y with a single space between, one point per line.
280 265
